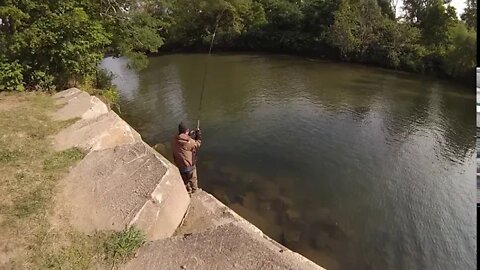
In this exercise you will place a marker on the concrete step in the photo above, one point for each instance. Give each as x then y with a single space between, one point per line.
106 131
78 104
205 212
214 237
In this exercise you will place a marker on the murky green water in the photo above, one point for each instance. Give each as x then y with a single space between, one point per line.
353 167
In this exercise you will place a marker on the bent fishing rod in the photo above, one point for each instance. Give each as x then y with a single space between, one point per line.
206 68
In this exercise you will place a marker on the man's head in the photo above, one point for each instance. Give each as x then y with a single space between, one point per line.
182 128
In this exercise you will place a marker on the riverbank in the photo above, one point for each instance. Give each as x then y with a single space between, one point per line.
468 79
107 180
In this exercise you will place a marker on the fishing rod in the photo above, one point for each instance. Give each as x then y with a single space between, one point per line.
206 67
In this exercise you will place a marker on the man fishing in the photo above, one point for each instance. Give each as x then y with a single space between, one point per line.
186 143
184 147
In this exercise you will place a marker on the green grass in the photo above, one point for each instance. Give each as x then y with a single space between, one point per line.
62 160
30 203
7 155
82 252
122 245
29 174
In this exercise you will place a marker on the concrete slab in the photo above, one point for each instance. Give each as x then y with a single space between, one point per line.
78 104
68 93
103 132
213 236
123 186
205 212
229 246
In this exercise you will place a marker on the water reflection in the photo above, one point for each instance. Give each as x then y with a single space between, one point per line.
125 78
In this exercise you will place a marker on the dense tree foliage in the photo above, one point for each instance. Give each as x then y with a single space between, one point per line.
48 44
469 16
426 37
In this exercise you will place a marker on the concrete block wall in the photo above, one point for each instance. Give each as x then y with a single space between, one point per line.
122 181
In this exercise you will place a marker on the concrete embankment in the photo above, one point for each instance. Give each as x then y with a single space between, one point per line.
123 182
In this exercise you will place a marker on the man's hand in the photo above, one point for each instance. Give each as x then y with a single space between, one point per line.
198 134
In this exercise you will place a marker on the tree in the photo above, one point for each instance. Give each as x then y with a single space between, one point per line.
195 21
134 29
435 26
394 6
469 15
318 16
56 43
356 27
343 32
282 14
461 55
417 10
400 46
388 8
363 33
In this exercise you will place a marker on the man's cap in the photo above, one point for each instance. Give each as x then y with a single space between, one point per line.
182 127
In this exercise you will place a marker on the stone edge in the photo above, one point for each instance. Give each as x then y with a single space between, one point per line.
250 228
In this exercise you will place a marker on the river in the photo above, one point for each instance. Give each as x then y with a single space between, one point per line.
354 167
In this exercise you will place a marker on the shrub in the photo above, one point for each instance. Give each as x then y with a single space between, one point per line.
11 76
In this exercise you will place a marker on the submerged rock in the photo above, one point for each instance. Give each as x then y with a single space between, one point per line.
160 148
293 215
266 190
291 235
251 178
285 184
230 171
321 214
250 201
270 229
332 229
285 201
266 211
221 195
321 240
280 205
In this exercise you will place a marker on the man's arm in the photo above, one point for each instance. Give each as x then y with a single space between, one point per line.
195 143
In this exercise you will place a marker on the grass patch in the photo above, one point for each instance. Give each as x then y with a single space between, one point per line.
81 253
29 173
7 155
30 203
122 245
63 159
